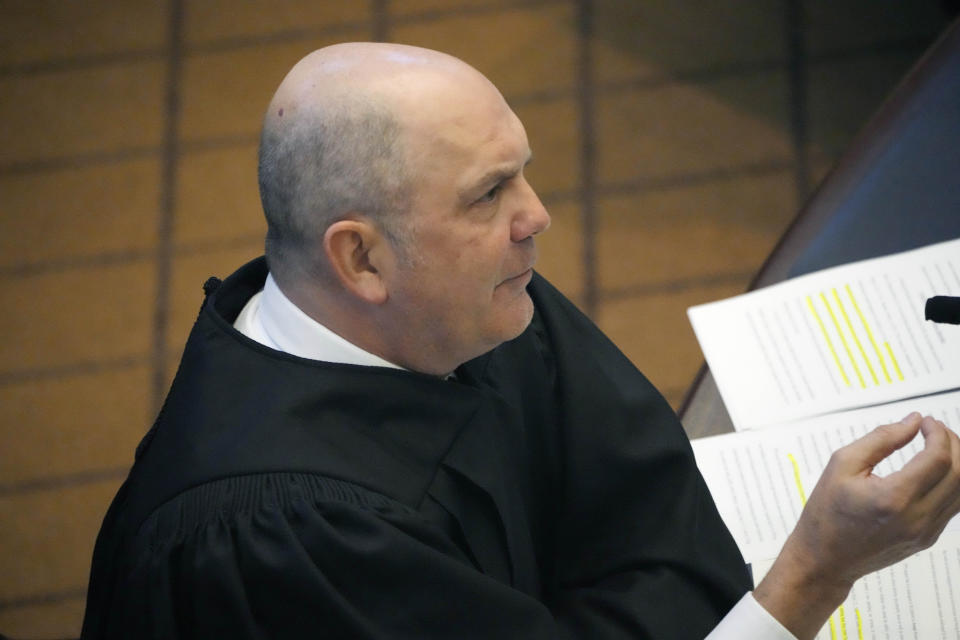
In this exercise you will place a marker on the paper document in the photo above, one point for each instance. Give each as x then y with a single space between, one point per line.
846 337
761 479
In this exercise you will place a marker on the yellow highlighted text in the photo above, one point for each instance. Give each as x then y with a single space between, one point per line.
856 338
866 327
826 337
843 340
896 365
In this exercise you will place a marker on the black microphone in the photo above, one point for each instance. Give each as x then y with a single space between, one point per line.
943 309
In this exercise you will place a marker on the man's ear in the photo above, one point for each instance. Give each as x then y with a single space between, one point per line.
348 245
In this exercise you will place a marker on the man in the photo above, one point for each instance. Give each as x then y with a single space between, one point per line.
400 431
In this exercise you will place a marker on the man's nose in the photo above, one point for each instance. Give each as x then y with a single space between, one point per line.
532 218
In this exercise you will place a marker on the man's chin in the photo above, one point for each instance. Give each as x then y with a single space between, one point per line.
522 319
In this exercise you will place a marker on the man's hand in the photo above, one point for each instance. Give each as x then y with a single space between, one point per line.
856 522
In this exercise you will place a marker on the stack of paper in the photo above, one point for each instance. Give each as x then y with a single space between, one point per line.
809 365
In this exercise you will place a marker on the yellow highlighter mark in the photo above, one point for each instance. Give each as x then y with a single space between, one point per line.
843 623
843 340
859 624
866 327
796 478
833 629
826 337
856 338
896 365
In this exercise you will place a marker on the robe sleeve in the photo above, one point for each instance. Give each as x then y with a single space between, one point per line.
297 568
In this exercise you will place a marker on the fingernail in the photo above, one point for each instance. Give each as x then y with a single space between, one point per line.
911 416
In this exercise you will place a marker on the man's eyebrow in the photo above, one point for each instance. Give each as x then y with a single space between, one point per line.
494 176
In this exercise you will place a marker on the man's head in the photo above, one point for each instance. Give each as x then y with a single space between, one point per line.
328 146
399 216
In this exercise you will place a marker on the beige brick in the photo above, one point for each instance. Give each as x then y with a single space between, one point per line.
226 93
542 37
46 542
75 213
690 128
561 249
721 227
204 19
407 7
68 425
656 39
37 30
103 108
217 196
76 316
60 619
552 129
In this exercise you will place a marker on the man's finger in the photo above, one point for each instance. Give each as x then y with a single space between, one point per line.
933 465
944 498
864 454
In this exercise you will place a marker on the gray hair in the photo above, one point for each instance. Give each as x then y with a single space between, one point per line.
319 166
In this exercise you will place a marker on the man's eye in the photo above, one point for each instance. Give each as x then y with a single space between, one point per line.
491 195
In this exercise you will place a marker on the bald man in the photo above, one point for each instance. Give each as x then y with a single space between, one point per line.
390 427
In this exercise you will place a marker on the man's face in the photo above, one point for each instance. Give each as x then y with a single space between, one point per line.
473 217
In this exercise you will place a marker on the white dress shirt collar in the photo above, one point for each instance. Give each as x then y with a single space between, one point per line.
271 319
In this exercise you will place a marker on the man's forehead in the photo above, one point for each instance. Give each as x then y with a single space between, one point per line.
461 115
493 136
454 118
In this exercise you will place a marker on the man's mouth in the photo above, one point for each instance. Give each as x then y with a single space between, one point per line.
523 274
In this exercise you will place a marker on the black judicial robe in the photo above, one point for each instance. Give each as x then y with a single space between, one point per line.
548 492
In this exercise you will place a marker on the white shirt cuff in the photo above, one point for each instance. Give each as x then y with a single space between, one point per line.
748 620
